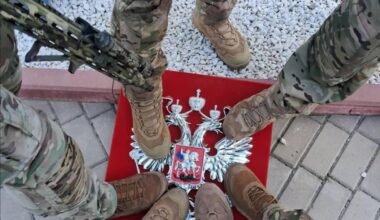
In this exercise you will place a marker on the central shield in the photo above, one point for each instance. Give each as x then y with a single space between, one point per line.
187 165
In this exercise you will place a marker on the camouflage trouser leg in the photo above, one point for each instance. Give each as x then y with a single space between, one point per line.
141 25
39 165
43 168
214 11
336 60
10 70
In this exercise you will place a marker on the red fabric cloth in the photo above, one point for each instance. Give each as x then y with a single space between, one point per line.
218 91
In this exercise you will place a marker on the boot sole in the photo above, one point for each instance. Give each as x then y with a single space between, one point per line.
232 66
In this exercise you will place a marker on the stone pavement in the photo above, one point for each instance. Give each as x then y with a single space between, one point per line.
327 165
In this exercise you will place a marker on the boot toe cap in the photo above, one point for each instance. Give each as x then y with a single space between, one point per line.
238 60
158 147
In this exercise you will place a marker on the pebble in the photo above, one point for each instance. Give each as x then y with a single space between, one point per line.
283 141
364 174
274 29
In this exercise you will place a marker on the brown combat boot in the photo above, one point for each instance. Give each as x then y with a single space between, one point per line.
212 21
246 192
249 196
211 204
135 193
174 205
255 113
150 129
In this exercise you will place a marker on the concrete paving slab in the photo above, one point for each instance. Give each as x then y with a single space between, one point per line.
345 122
93 109
11 209
83 133
361 207
43 106
354 160
298 192
279 127
330 201
104 125
277 176
298 136
318 118
100 170
301 190
325 149
371 127
371 183
66 111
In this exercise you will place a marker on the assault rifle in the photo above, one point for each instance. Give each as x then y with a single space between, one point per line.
79 42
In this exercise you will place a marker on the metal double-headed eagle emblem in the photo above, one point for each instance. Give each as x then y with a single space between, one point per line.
189 157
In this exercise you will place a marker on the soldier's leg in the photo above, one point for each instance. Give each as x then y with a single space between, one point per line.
10 70
338 59
141 25
40 165
43 168
330 66
211 18
215 11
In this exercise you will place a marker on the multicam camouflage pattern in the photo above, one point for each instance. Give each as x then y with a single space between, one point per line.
335 61
40 165
275 212
329 67
10 70
287 215
80 42
43 168
141 25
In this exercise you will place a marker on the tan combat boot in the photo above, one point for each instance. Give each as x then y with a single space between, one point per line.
255 113
250 198
141 25
135 193
150 129
212 21
211 204
174 205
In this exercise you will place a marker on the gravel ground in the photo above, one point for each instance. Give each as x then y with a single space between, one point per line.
273 28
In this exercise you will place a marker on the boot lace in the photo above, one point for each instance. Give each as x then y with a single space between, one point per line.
226 33
148 114
256 116
127 193
133 191
260 200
